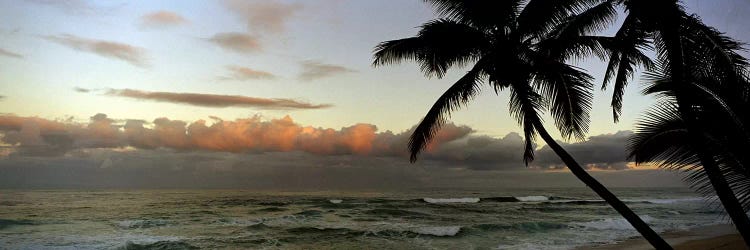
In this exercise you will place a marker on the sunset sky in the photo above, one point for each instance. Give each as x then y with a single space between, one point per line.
264 94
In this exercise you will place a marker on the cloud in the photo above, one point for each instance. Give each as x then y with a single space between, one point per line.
81 90
7 53
70 6
215 101
264 16
606 151
455 148
36 136
131 54
243 73
162 19
236 42
81 7
312 70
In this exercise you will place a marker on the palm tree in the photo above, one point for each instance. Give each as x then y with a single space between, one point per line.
692 56
522 49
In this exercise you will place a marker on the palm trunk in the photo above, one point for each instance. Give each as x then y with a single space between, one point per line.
671 33
643 228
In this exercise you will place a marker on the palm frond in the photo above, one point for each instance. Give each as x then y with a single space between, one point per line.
568 90
480 14
526 105
436 47
626 57
553 11
457 95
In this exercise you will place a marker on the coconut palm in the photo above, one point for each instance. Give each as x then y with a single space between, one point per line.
522 49
696 61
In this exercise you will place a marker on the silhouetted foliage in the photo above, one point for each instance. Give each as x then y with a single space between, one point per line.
523 47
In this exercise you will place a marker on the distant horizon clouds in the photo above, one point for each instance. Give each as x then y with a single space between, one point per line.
454 147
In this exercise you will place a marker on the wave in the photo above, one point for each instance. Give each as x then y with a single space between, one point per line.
500 199
310 213
137 224
397 213
450 200
335 201
271 209
158 245
678 200
532 198
440 231
4 223
529 227
612 223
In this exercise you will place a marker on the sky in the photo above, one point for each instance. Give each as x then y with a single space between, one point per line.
267 94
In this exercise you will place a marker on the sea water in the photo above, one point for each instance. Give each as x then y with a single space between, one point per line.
415 219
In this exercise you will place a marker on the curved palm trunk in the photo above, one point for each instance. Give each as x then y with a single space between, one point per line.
718 181
643 228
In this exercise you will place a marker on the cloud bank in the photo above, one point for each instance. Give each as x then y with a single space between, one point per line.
280 154
212 100
454 146
128 53
38 136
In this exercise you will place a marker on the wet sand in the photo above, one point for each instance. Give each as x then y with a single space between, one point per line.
722 237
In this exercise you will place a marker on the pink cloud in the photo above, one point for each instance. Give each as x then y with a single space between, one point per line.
162 19
241 135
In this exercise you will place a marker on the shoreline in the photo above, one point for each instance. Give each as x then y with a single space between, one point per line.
721 236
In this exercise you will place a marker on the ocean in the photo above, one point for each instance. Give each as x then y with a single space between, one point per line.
406 219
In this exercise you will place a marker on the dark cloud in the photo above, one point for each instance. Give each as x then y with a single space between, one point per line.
244 73
605 151
237 42
453 147
162 19
215 101
10 54
128 53
264 16
281 154
312 70
165 168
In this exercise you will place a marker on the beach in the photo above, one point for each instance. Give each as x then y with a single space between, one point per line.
722 237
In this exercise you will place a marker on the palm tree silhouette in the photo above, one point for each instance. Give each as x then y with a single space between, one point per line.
522 49
700 72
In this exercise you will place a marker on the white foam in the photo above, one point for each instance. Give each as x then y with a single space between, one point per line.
335 201
612 223
451 200
437 231
533 198
670 201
